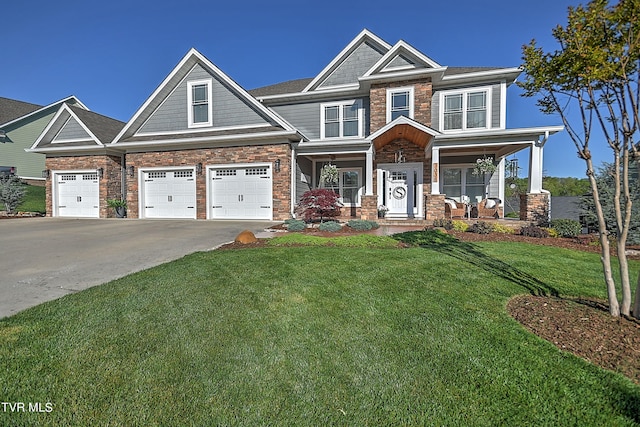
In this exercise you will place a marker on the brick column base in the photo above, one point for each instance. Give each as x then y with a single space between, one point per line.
534 207
433 206
369 208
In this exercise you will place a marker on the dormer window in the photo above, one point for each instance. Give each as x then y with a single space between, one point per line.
341 120
199 94
399 103
465 110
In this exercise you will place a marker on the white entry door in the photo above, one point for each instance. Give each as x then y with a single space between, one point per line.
77 194
402 189
240 192
169 194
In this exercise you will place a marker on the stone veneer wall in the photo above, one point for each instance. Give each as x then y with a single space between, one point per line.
422 94
434 206
534 207
216 156
369 208
110 186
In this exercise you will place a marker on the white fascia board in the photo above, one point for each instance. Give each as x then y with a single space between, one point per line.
512 73
189 142
62 101
402 120
360 38
519 132
395 75
67 149
397 49
353 90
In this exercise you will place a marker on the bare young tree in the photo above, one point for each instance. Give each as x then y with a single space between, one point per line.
596 70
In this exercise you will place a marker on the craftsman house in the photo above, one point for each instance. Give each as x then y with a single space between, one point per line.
402 131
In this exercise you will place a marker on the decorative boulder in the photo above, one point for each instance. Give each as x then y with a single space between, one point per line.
246 237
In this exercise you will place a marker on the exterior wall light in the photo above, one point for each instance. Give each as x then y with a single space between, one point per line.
277 165
46 174
199 168
100 173
131 170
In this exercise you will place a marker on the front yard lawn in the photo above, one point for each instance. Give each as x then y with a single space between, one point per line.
315 336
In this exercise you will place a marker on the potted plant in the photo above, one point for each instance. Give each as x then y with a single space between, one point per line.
382 211
119 205
483 167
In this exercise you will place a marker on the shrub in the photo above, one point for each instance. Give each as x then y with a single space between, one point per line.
500 228
567 227
362 225
460 226
12 191
512 215
447 224
319 204
481 227
330 226
295 224
534 231
553 233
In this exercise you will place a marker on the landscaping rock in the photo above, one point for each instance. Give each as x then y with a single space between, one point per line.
246 237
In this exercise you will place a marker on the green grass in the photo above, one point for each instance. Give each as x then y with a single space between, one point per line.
315 336
34 200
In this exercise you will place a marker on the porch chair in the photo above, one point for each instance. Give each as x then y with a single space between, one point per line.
454 209
489 208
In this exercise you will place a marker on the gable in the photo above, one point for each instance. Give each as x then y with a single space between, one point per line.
229 109
71 131
353 66
402 57
194 90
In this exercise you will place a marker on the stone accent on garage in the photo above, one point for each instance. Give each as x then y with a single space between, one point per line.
110 185
215 156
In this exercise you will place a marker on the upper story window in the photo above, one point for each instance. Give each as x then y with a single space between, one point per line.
341 119
399 103
464 110
199 94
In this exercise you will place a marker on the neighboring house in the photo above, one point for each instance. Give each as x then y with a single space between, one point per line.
20 125
403 131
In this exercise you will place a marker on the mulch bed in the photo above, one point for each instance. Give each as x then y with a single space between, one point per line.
582 327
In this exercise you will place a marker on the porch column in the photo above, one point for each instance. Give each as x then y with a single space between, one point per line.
368 188
435 172
294 173
535 168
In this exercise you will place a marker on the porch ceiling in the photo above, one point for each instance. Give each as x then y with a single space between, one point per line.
402 131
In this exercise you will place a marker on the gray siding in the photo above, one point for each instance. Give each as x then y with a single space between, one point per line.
435 110
72 130
354 66
399 61
12 153
306 117
229 109
304 169
495 106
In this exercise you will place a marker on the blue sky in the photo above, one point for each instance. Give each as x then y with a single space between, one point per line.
113 54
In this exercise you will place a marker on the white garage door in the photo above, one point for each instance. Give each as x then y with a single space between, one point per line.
169 194
241 193
77 195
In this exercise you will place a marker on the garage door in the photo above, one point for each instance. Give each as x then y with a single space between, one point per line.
77 195
241 193
169 194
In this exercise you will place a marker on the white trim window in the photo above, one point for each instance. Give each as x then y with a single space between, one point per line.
200 111
349 186
469 109
341 119
459 181
399 103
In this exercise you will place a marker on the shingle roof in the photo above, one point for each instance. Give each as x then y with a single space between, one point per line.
291 86
103 127
10 109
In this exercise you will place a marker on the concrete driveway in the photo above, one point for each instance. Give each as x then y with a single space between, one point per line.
46 258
